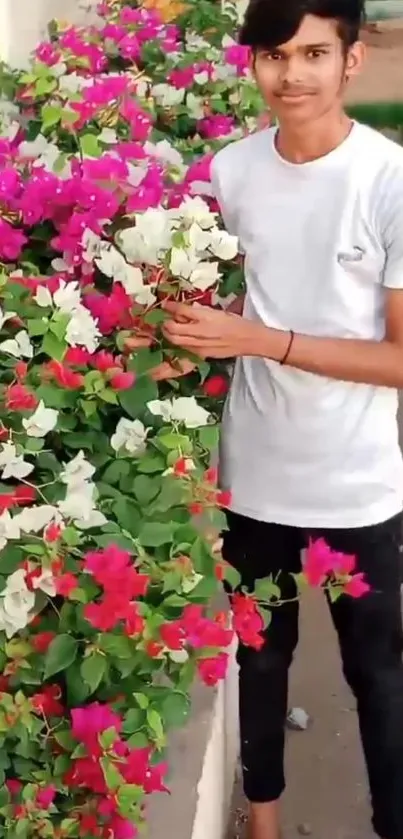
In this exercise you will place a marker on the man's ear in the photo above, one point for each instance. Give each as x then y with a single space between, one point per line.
355 59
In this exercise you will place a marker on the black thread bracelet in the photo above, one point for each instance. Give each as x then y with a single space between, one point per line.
288 350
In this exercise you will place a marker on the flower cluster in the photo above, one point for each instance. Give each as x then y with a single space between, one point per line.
109 507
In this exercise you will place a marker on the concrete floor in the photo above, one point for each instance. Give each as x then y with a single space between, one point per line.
326 796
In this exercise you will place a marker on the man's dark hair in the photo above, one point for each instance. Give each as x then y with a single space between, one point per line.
269 23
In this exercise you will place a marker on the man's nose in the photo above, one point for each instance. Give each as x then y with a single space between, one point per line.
292 71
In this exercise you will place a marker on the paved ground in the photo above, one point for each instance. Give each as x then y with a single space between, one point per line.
327 795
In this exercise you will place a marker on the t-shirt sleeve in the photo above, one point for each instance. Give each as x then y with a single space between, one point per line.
392 234
222 196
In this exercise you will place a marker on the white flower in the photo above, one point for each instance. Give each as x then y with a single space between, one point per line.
67 297
113 264
202 77
41 421
20 346
195 106
183 262
167 96
201 188
183 409
13 465
196 211
146 296
60 266
77 471
71 83
149 239
5 316
16 604
34 519
43 297
199 239
165 152
223 245
79 505
137 173
178 656
108 136
131 436
8 529
45 583
44 153
82 330
205 275
92 244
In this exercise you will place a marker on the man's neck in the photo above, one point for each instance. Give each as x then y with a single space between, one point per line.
307 142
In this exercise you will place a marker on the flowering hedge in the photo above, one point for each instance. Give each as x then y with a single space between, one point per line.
109 507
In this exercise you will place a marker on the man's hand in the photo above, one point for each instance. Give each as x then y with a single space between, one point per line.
165 370
212 333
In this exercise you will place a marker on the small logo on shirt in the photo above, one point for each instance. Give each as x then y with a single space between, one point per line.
356 255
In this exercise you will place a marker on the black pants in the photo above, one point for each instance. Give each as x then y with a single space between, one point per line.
370 637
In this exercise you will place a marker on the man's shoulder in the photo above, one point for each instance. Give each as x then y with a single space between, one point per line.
382 153
242 152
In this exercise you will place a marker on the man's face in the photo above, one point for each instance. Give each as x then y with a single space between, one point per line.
305 78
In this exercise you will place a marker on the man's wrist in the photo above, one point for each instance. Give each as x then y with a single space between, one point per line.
271 343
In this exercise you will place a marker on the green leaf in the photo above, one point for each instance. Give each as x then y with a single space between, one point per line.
65 740
153 534
209 436
155 723
145 489
151 463
93 670
134 719
53 347
267 590
117 646
113 778
90 146
232 576
175 709
115 471
134 400
142 700
51 115
59 323
108 738
128 795
61 653
37 327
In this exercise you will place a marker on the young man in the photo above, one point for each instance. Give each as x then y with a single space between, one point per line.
309 436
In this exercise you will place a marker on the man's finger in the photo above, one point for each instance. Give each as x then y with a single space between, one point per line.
183 310
136 343
172 330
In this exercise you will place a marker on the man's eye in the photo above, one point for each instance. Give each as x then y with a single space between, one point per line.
273 56
316 53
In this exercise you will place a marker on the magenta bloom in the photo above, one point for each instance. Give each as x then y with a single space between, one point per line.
216 126
89 722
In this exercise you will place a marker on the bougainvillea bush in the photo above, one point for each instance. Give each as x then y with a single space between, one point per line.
109 505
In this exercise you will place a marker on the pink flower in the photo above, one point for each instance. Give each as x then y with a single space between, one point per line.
238 56
45 797
89 722
52 532
318 563
66 584
215 126
19 398
12 241
213 670
122 381
357 586
104 361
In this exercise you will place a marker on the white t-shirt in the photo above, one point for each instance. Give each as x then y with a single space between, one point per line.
322 241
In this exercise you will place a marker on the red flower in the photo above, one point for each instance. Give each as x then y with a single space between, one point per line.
213 670
64 377
66 584
52 532
45 797
122 381
41 641
19 398
153 649
172 635
24 495
247 621
47 701
14 786
211 475
318 563
196 508
223 498
7 499
215 386
104 361
357 586
77 356
21 369
134 624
